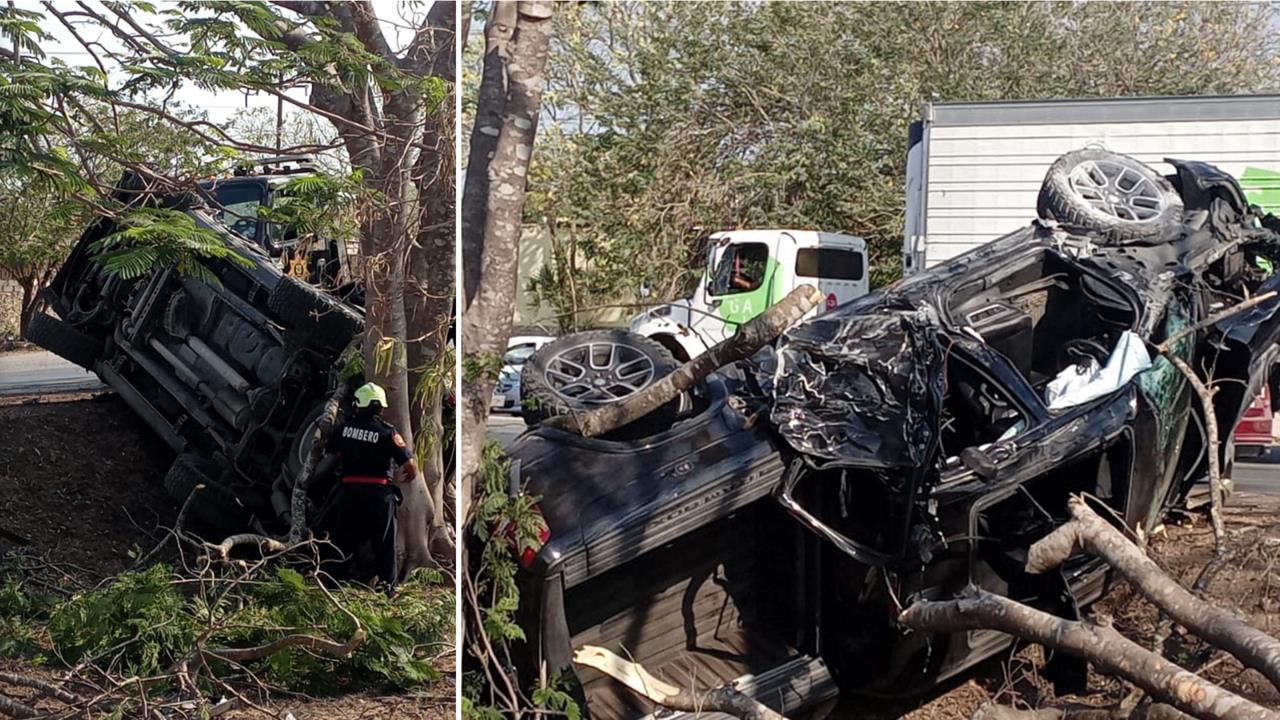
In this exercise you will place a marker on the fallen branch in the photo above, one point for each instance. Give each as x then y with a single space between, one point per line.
1088 531
1217 495
1144 711
15 709
44 688
750 337
325 646
224 548
724 699
178 524
1100 644
1167 344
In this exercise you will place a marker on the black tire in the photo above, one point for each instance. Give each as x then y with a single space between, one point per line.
323 320
216 505
539 401
323 475
1113 196
63 340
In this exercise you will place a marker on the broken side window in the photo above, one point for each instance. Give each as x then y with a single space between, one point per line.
976 412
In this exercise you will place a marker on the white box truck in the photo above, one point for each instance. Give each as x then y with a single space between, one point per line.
974 169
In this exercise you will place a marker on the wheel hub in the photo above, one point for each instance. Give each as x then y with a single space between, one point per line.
1117 190
597 373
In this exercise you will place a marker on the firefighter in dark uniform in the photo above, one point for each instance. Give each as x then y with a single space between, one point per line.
369 449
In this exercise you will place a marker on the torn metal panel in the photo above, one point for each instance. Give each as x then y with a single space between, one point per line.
860 390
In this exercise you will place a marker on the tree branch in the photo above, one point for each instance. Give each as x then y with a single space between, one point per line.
430 53
308 642
1100 644
750 337
1089 532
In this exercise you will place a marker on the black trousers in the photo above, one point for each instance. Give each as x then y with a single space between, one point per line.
360 515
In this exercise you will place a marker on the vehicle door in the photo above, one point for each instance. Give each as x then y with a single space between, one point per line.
739 288
1006 487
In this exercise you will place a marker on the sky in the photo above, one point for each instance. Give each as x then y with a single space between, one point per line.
220 106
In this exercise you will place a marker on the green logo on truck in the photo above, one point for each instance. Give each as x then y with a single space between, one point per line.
1262 188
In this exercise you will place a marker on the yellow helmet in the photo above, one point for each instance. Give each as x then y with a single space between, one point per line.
370 393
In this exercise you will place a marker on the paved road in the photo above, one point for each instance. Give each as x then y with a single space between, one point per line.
1257 477
42 373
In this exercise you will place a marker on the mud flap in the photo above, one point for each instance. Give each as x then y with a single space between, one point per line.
1068 673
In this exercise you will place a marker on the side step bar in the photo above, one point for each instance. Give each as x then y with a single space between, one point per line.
797 684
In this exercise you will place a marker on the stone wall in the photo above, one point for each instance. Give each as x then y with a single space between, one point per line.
10 304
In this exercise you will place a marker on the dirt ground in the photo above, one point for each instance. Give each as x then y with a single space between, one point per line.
1249 585
81 478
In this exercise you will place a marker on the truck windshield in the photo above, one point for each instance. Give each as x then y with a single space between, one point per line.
239 203
742 268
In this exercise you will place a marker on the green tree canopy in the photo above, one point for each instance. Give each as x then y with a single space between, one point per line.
671 120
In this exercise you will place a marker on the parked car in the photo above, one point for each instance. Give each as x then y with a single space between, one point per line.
506 394
903 446
232 372
1253 436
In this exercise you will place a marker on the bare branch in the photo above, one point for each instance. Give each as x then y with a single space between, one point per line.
1086 530
749 338
1107 649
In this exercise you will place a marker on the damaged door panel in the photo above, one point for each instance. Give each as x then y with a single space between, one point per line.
907 444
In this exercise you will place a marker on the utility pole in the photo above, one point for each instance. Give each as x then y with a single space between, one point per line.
279 119
279 122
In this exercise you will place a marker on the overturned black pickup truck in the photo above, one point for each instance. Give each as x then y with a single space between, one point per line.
232 373
904 446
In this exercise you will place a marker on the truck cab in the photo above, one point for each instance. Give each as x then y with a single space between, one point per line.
746 272
237 200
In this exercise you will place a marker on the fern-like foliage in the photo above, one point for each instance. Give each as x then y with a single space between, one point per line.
151 238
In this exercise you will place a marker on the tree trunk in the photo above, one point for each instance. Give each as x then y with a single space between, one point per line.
749 338
385 357
25 309
1089 532
490 100
429 303
1101 645
491 259
33 301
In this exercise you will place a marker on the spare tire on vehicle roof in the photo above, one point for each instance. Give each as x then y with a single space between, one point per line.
322 319
584 370
1113 196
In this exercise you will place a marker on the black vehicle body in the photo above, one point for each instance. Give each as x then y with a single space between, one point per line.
231 374
898 447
